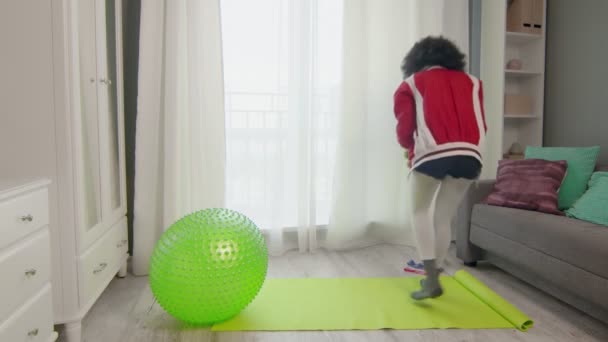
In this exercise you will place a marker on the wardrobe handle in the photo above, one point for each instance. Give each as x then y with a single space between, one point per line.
101 267
105 81
33 333
27 218
30 273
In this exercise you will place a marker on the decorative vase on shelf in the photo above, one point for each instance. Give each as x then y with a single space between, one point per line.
516 151
514 64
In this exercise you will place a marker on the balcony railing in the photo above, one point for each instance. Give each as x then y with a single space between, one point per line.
279 156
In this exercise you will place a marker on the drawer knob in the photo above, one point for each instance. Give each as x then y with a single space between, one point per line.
27 218
30 273
100 268
33 332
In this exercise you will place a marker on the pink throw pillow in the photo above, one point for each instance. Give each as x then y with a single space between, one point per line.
530 184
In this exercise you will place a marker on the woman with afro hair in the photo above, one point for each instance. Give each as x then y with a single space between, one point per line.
441 125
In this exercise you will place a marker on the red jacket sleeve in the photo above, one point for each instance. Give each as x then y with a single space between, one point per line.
405 113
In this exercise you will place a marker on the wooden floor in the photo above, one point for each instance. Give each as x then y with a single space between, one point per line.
127 311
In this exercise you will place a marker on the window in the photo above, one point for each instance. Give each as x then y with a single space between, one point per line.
282 69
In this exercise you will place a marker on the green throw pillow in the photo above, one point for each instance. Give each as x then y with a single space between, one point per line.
581 163
592 206
596 176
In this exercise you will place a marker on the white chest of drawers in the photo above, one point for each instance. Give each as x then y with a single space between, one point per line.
26 312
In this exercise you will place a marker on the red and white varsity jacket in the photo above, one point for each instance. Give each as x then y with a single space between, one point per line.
440 114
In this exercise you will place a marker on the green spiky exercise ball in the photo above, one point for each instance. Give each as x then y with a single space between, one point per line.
208 266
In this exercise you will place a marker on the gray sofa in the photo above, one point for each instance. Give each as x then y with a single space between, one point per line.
564 257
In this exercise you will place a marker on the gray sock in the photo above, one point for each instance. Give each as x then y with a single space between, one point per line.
422 281
430 287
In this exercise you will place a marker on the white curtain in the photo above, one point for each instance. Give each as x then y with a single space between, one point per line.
311 146
370 175
282 63
180 139
370 190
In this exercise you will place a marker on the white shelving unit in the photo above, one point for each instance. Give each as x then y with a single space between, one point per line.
498 47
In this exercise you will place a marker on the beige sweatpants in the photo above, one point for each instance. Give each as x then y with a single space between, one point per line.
433 204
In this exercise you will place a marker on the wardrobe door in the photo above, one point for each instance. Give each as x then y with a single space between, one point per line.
115 113
102 140
111 108
87 123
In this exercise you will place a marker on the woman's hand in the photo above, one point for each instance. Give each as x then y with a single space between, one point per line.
407 157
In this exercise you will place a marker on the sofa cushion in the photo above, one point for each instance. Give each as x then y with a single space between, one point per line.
581 162
601 167
577 242
592 205
596 177
530 184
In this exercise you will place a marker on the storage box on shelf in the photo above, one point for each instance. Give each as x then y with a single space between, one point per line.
518 106
525 16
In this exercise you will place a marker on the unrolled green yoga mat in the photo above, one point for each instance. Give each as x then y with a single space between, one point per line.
374 303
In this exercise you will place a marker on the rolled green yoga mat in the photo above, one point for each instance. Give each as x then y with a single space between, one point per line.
374 303
519 319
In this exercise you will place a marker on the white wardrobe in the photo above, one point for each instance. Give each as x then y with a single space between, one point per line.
61 105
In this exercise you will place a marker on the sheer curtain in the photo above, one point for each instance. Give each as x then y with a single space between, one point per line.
370 190
311 150
180 140
369 197
282 62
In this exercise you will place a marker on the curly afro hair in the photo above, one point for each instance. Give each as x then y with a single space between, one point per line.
432 51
